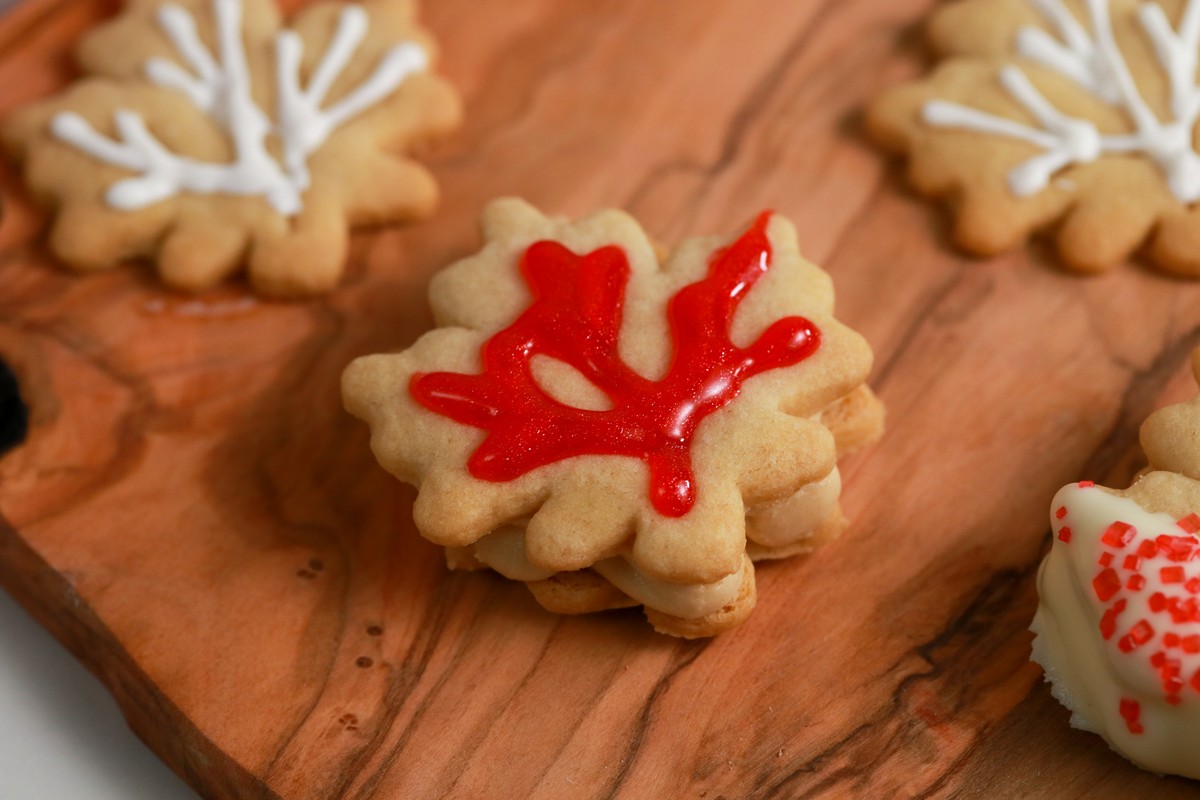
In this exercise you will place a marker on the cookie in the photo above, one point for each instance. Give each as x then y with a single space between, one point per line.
1073 117
208 139
1118 621
615 429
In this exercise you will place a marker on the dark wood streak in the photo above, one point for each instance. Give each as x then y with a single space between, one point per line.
740 123
879 737
1137 402
686 655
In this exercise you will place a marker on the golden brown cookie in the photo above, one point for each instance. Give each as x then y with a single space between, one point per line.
586 415
1069 115
208 138
1118 623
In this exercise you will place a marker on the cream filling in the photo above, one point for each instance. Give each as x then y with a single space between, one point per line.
1092 675
504 551
794 518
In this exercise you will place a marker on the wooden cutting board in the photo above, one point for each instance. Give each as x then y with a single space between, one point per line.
198 520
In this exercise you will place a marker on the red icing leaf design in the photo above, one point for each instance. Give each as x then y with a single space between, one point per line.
575 317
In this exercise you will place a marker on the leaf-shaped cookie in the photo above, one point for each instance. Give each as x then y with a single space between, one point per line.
207 138
1076 115
583 408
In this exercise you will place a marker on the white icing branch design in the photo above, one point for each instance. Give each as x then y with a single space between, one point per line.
220 86
1094 61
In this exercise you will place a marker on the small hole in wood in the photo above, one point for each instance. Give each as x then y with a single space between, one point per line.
374 630
364 662
14 415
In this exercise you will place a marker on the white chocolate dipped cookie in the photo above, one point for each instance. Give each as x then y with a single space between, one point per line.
1118 622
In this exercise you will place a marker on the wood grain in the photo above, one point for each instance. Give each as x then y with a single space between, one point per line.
197 519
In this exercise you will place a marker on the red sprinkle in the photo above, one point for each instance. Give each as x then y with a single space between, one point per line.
1190 523
1106 559
1064 533
1138 635
1106 584
1119 534
1136 583
1176 548
1147 549
1108 623
1131 712
1086 484
1062 512
1171 574
1132 563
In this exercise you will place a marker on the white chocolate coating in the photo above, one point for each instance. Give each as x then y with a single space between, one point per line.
788 520
504 551
1096 584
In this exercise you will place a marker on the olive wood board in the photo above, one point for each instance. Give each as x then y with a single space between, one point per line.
195 516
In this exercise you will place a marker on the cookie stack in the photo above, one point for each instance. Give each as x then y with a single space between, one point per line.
613 431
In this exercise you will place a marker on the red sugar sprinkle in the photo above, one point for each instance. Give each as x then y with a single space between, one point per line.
1190 523
1106 584
1105 559
1172 574
1131 712
1147 549
1196 681
1158 602
1108 623
1176 548
1138 635
1062 512
1171 639
1191 644
1118 534
1064 533
1133 563
1136 583
1193 585
1086 484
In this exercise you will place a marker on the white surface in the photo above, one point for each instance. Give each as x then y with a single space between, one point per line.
61 735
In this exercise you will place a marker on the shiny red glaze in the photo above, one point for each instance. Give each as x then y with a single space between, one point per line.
575 317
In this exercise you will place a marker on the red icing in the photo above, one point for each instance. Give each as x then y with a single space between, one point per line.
575 317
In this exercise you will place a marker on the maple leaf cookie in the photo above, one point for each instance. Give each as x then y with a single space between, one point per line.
1118 623
207 138
616 432
1077 116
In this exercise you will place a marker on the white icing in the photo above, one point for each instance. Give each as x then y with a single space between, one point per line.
685 601
1090 674
796 517
504 551
1094 61
221 88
